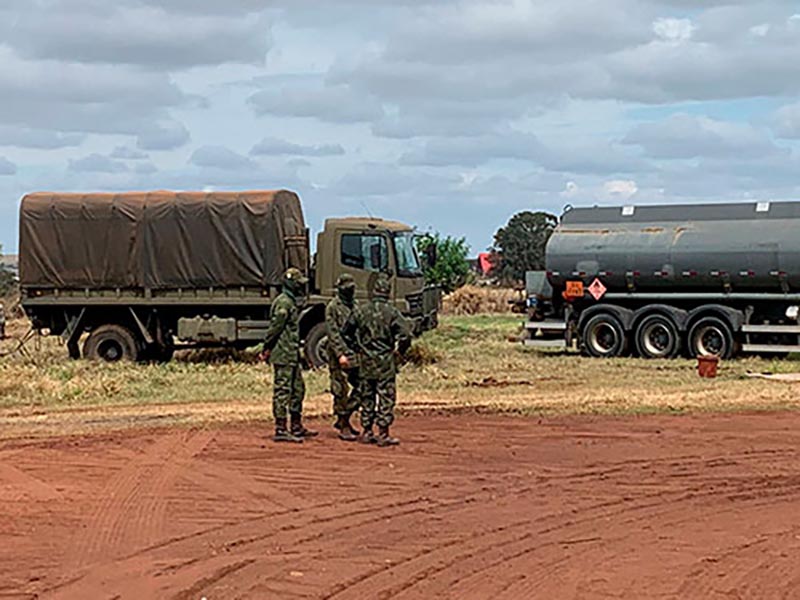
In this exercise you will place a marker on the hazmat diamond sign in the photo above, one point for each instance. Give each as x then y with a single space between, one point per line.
597 289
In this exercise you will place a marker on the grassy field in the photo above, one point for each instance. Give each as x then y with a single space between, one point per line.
467 364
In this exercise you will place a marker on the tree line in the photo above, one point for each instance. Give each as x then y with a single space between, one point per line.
518 247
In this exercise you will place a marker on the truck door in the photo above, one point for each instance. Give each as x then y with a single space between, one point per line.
364 255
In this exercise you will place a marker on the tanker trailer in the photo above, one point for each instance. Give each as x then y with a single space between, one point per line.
661 281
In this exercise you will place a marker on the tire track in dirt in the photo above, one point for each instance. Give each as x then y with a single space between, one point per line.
370 586
132 506
501 508
224 547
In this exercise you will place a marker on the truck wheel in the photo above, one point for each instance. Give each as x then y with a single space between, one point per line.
111 343
317 346
657 336
710 336
604 336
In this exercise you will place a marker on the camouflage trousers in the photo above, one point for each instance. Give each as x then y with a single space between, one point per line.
346 390
289 390
378 397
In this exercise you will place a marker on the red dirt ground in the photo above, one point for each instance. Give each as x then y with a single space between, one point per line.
469 506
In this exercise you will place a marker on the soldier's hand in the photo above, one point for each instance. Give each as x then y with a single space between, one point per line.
344 362
264 356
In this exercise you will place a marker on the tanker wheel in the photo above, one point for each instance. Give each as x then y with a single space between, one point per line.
657 336
316 346
603 336
111 343
711 336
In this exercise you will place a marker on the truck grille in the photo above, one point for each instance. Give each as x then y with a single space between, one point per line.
415 304
432 299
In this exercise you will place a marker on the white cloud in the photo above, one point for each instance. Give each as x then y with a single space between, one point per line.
335 104
786 121
162 136
7 167
219 157
618 189
126 153
278 147
148 36
40 139
673 30
97 163
683 136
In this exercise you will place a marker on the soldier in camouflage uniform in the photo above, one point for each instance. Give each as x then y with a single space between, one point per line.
377 331
2 321
344 371
282 349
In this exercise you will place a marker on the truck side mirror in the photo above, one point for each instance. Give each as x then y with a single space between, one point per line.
431 254
375 257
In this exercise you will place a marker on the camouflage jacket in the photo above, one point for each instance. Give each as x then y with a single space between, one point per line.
336 315
375 330
283 334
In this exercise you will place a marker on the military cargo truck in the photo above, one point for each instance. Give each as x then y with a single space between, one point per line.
661 281
141 274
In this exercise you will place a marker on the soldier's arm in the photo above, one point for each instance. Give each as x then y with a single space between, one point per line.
277 323
401 332
349 331
334 324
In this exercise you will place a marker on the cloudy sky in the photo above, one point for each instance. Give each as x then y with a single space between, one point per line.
450 115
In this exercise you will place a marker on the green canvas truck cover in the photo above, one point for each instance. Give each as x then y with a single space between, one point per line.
160 240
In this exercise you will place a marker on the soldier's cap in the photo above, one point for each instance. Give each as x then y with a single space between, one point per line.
345 281
295 274
383 287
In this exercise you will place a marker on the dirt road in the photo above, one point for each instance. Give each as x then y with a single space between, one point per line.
470 506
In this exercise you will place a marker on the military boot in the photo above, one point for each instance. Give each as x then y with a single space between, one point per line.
349 426
298 430
339 424
384 439
283 435
367 437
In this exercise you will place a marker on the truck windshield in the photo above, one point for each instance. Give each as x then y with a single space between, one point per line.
407 260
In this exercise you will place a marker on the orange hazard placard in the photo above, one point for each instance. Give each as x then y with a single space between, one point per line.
574 290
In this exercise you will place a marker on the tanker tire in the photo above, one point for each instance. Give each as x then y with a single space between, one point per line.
315 346
657 336
111 343
603 336
710 336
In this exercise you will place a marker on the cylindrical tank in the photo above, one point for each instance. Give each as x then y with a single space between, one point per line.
752 247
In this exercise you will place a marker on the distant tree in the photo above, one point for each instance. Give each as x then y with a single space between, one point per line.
520 245
451 268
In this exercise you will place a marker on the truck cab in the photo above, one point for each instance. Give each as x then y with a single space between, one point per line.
365 248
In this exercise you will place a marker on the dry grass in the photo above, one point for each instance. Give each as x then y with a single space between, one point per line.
476 300
467 364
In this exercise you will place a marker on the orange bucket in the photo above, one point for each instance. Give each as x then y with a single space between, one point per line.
707 366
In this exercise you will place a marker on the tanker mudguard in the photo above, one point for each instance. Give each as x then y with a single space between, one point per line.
676 315
735 318
625 316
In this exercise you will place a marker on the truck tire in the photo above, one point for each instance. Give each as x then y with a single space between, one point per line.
111 343
603 336
710 336
657 336
316 346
